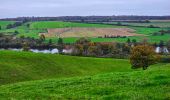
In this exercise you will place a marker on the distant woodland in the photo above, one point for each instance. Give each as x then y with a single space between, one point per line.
91 18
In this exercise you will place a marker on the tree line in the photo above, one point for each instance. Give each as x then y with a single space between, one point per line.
141 54
90 18
16 24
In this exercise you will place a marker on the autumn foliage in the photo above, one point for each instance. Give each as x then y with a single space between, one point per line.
143 56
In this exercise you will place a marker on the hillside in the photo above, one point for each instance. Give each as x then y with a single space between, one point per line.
25 66
152 84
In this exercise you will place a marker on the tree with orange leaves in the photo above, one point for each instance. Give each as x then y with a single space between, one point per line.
143 56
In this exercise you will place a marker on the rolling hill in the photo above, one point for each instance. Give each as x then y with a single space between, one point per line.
46 76
25 66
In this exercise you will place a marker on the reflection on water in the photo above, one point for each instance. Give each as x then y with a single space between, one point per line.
44 51
161 50
51 51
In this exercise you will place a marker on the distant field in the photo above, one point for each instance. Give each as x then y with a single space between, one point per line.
111 78
43 26
157 23
90 32
3 24
151 39
146 31
54 24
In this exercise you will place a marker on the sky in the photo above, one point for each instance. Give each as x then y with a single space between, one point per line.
52 8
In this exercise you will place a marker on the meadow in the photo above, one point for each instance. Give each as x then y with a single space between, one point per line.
24 66
45 76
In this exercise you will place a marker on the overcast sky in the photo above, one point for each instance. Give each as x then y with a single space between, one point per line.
18 8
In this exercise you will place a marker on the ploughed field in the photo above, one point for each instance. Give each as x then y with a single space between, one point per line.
90 32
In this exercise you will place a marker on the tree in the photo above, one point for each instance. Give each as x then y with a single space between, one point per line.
151 26
134 41
0 28
147 21
106 48
168 45
28 25
82 20
78 49
126 49
60 45
1 35
161 43
50 41
143 56
25 47
25 20
85 44
16 32
60 41
22 36
119 23
9 26
42 37
92 50
128 41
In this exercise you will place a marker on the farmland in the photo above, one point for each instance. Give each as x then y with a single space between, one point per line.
156 23
67 77
54 24
54 76
84 50
90 32
3 24
43 26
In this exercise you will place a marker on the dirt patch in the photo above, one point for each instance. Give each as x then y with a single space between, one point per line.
90 32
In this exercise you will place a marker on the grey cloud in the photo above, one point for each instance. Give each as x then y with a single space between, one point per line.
15 8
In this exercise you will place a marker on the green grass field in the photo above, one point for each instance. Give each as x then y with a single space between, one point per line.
157 23
151 39
54 24
3 24
24 66
54 77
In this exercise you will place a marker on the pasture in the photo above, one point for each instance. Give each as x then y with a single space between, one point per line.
26 66
46 76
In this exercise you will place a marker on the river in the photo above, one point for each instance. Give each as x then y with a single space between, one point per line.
47 51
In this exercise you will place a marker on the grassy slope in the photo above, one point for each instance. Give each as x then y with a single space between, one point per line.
24 66
152 84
